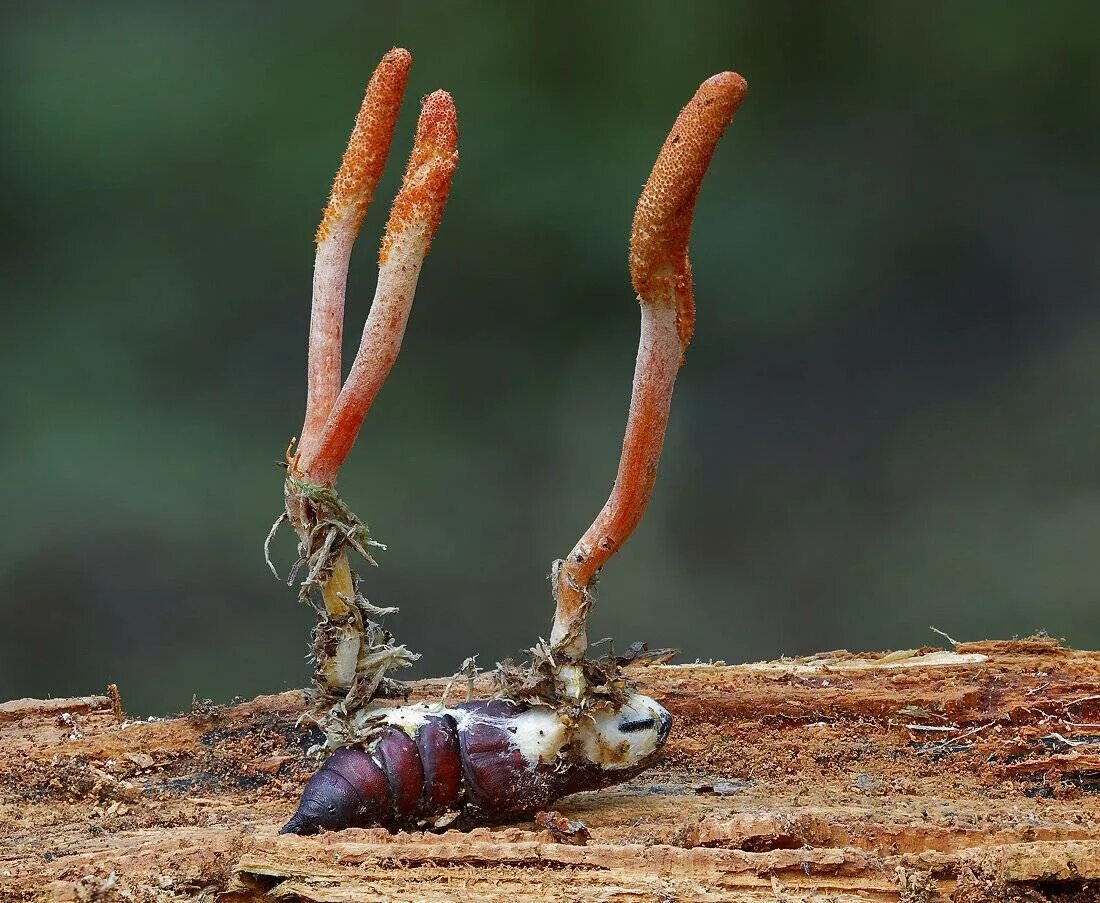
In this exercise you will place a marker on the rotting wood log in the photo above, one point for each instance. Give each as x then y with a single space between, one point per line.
966 775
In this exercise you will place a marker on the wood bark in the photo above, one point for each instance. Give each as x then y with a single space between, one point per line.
967 775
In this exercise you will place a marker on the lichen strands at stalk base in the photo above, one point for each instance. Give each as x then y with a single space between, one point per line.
352 191
661 274
416 213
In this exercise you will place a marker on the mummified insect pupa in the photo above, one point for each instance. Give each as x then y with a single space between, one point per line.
487 761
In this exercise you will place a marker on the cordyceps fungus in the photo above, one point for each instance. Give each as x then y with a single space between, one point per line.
351 652
661 274
563 723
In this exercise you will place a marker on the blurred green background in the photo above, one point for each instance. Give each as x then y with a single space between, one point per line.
888 418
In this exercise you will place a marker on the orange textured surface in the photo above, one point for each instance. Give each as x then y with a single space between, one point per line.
416 212
420 202
659 267
369 144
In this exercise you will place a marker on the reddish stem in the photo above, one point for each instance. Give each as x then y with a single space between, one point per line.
661 275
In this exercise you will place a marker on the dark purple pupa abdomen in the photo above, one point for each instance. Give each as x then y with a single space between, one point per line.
350 789
437 743
500 782
399 758
399 782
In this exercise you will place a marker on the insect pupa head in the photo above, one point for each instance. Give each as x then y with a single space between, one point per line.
629 737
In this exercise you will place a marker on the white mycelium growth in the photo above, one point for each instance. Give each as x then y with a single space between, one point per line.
409 718
573 680
604 742
540 734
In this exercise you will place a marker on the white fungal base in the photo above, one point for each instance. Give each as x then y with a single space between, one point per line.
340 668
573 682
539 734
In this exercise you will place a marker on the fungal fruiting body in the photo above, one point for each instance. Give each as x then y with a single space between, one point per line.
350 651
661 275
565 723
483 761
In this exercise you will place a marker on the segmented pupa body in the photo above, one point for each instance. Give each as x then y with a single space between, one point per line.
488 761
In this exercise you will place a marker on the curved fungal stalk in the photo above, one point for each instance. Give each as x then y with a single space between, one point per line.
350 651
661 275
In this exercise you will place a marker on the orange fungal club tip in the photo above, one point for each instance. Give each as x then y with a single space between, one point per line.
420 202
659 267
369 144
